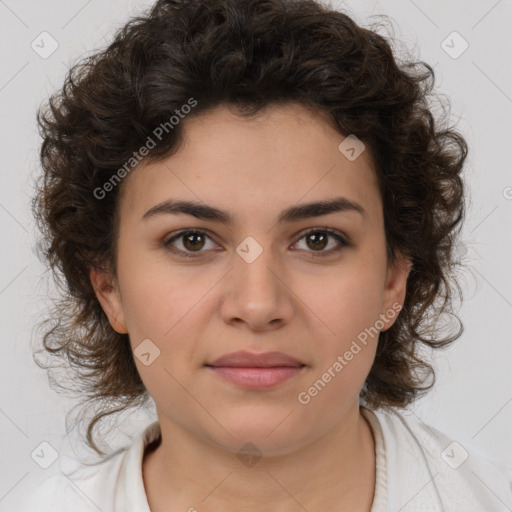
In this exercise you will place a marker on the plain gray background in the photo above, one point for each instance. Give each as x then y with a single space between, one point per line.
472 400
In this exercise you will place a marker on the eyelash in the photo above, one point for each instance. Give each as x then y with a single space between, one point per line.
315 254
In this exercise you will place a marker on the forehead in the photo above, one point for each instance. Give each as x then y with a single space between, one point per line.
285 155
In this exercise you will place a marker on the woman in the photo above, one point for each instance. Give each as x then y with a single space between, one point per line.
254 214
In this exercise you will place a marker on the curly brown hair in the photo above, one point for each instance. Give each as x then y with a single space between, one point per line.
249 54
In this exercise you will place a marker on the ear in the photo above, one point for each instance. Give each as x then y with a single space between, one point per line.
108 295
395 290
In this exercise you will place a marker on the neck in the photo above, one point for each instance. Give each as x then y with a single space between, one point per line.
336 470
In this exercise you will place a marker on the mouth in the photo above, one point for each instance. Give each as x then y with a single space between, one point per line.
256 378
256 371
246 359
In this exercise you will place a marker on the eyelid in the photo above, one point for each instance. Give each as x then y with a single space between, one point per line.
184 231
325 229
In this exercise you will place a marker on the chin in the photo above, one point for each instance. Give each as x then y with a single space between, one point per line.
267 436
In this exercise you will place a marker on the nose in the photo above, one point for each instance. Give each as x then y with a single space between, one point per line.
257 295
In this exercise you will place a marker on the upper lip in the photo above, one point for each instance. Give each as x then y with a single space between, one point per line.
244 359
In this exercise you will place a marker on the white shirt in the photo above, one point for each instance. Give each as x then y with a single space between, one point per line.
418 469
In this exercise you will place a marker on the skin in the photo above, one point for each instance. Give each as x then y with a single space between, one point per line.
316 456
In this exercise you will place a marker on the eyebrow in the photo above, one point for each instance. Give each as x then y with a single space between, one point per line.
292 214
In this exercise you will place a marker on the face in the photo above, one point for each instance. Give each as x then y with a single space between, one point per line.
312 285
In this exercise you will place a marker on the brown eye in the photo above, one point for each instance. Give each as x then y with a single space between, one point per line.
317 240
191 241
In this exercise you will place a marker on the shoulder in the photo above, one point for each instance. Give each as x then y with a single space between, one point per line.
113 483
439 469
75 486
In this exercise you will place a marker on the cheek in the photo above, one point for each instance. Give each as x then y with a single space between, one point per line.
345 304
346 340
337 384
158 297
170 309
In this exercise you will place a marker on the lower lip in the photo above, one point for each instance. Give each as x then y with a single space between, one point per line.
257 378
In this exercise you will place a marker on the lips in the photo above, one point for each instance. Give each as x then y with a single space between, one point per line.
244 359
256 371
